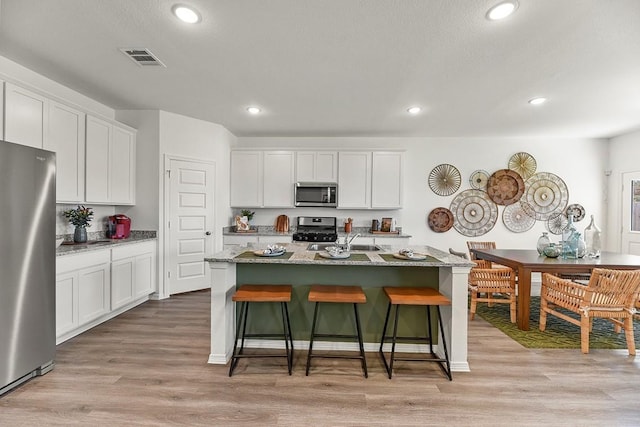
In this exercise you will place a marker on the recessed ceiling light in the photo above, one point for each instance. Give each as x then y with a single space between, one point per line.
502 10
186 14
414 110
254 110
537 101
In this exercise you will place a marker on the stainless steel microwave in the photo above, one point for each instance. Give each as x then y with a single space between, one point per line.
316 194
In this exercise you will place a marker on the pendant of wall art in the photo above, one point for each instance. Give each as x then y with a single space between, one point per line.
479 179
516 219
545 196
440 220
444 180
576 210
557 224
505 187
474 214
524 164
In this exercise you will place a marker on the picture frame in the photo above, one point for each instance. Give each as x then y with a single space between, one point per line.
385 225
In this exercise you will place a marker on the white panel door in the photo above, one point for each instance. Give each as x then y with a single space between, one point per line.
630 213
191 225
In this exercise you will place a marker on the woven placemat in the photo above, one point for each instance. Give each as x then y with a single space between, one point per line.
391 258
353 257
251 255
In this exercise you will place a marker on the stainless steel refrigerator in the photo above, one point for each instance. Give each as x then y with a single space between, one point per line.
27 263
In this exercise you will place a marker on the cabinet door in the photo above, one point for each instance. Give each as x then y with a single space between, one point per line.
246 179
66 302
25 116
122 166
278 179
97 160
66 138
93 293
305 166
145 275
354 180
122 282
386 181
326 166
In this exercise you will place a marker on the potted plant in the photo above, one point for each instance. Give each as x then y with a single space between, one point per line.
81 218
247 213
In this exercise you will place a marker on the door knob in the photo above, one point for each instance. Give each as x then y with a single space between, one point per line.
208 233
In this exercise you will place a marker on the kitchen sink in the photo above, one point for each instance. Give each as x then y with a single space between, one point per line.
323 246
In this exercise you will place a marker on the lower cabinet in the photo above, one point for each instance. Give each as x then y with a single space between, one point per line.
96 286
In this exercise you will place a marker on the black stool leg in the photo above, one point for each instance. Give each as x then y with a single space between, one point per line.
384 335
394 339
286 333
313 331
429 329
242 320
444 345
363 359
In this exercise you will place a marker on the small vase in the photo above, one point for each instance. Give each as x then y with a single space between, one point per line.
80 235
552 250
543 242
593 239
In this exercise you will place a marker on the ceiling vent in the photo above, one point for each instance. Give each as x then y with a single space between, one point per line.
143 57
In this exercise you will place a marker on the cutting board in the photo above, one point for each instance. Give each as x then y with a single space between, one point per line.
282 224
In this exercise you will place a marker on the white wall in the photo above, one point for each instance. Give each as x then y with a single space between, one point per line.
624 156
581 163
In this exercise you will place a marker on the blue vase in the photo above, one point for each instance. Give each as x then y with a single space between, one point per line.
80 235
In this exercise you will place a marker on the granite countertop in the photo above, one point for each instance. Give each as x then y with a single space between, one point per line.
269 230
98 243
297 253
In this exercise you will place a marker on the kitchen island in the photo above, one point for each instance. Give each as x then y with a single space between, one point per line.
370 269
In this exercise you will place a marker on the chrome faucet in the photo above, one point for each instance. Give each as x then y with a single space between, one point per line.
349 239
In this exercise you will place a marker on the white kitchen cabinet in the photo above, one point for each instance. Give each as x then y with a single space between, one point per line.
110 163
93 292
317 166
392 241
66 138
132 272
262 179
354 180
25 116
386 180
246 179
278 179
66 302
244 240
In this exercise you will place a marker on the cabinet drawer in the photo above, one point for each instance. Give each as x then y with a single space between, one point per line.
132 250
75 262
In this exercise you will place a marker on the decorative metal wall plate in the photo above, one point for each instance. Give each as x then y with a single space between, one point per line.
576 210
474 214
478 179
440 220
557 224
545 196
524 164
516 219
444 180
505 187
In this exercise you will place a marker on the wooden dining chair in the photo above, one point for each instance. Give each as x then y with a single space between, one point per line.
610 294
493 286
481 263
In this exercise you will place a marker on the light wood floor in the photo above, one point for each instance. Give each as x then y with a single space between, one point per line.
148 367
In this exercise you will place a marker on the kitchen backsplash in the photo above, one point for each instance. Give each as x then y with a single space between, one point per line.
98 223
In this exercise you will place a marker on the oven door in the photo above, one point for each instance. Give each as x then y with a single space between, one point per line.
316 194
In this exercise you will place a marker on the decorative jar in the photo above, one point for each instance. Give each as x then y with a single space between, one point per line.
593 239
543 242
552 250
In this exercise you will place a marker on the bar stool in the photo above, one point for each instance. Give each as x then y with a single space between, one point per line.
341 295
262 293
421 296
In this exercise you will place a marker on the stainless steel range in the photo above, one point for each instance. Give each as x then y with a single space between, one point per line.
316 229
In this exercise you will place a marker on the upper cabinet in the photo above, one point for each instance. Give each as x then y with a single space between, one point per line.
66 137
370 180
110 163
25 116
261 179
317 166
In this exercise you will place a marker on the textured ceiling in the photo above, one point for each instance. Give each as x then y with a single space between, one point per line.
347 67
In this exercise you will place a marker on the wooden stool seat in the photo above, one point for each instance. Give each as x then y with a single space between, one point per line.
419 296
246 294
415 296
341 295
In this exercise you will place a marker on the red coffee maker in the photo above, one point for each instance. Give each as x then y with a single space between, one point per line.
118 226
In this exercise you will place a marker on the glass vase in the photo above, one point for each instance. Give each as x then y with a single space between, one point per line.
593 239
80 235
543 242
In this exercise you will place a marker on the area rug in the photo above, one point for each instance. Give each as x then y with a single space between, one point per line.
558 334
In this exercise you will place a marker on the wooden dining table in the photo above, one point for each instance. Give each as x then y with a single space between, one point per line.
525 261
